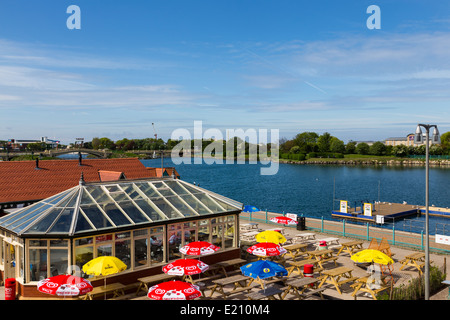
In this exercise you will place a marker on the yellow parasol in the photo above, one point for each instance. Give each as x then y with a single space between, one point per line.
104 265
270 236
371 255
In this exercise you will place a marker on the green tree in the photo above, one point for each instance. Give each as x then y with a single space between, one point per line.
445 142
324 142
362 148
337 145
307 141
400 151
377 149
350 147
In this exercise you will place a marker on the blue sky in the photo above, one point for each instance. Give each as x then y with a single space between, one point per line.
289 65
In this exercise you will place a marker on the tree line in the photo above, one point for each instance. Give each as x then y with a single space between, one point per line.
313 144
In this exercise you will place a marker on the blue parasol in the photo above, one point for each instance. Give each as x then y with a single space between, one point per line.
250 209
263 269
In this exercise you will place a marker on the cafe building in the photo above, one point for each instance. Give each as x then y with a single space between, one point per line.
142 222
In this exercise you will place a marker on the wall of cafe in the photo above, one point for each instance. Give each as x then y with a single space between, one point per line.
143 250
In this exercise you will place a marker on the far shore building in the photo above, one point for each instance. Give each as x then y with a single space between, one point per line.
400 141
25 182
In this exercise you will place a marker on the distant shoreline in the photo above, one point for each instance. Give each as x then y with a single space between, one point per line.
369 162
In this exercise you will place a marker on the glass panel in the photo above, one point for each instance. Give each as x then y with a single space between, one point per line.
112 188
167 209
10 218
118 196
103 238
226 206
174 235
82 224
58 243
45 223
139 233
95 216
84 241
189 235
229 235
140 252
38 264
64 222
213 206
104 250
85 198
115 214
149 210
147 190
180 206
163 189
195 204
14 226
122 235
98 194
58 261
123 251
176 187
156 248
216 236
83 255
203 230
132 193
55 199
38 243
133 212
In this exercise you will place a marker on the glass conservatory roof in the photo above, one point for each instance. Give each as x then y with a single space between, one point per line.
92 207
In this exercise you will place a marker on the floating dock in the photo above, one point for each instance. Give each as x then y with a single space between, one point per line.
388 211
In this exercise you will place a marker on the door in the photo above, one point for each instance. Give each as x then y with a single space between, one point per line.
10 260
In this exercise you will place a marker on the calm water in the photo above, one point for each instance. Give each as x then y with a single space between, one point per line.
308 189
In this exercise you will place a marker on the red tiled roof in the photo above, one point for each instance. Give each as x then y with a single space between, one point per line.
21 182
164 172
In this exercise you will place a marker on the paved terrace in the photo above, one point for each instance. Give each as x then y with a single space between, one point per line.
330 293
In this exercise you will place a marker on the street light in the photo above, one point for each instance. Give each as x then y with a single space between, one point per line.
418 139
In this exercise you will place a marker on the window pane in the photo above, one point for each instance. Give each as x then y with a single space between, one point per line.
140 252
139 233
104 250
64 221
208 202
147 190
58 261
45 223
123 251
38 264
176 187
132 193
167 209
119 196
96 216
98 194
133 212
195 204
83 254
149 210
115 214
156 248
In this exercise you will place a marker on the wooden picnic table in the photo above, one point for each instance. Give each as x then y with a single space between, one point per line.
304 236
229 263
351 247
248 226
295 250
322 256
416 260
117 289
297 266
239 283
146 281
302 287
363 285
334 276
329 241
249 236
267 293
280 230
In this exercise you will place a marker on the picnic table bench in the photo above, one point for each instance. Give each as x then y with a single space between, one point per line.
329 241
297 266
304 236
416 260
363 285
249 236
239 283
351 247
322 256
334 276
295 250
303 287
146 281
248 226
117 289
232 263
268 293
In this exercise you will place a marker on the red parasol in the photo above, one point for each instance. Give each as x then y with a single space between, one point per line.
199 248
283 220
174 290
266 249
65 285
183 267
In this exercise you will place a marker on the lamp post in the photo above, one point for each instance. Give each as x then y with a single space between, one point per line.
418 139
